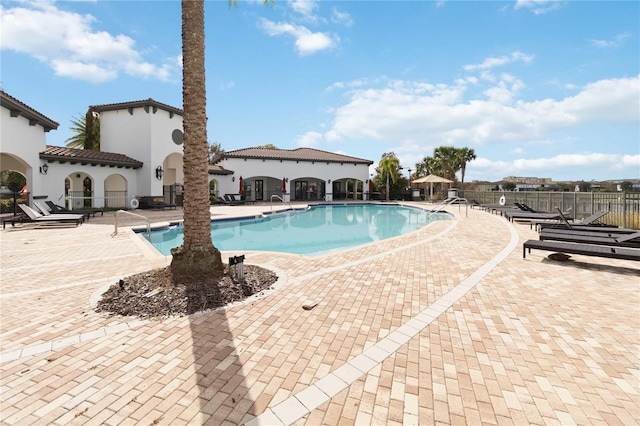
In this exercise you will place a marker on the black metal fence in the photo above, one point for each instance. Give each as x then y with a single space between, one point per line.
623 207
82 199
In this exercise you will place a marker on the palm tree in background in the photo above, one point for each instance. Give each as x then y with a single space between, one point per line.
197 257
446 159
426 167
86 129
465 155
389 167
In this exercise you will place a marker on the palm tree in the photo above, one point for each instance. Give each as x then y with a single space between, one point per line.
465 155
197 257
446 158
426 167
389 167
86 129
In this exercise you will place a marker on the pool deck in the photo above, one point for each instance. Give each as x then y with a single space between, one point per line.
447 325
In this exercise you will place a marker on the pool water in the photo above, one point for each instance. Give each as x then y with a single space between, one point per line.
317 230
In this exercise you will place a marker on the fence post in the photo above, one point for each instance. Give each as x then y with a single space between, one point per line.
624 209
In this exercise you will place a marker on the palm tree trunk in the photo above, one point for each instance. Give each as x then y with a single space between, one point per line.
387 185
196 257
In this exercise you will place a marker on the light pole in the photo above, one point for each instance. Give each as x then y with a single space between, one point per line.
409 170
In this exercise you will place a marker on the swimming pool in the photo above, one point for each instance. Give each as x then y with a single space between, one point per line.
317 230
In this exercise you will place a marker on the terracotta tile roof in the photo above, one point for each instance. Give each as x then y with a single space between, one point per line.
216 169
87 156
18 108
299 154
146 103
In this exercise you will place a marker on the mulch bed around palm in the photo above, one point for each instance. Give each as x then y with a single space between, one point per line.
153 294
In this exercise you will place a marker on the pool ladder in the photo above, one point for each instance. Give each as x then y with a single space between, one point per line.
450 201
279 198
115 221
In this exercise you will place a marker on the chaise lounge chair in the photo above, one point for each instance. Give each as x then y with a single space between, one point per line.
593 220
35 217
620 240
232 200
155 203
45 212
59 209
530 216
582 249
601 232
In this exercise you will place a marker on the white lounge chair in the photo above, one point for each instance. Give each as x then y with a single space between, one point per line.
36 217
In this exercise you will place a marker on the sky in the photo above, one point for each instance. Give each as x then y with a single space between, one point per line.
537 88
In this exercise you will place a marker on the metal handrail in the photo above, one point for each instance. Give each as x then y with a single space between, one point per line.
279 198
115 221
449 201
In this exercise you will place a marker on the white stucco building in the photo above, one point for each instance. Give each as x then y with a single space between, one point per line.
141 155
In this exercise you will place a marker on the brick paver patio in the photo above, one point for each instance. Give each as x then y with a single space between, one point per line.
447 325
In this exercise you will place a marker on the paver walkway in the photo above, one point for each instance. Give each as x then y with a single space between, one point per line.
446 325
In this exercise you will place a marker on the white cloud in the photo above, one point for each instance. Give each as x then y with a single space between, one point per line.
539 7
227 85
69 44
612 164
339 17
306 9
493 62
309 139
617 41
439 114
306 41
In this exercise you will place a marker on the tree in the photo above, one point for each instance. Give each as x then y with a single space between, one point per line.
196 258
12 179
465 155
626 186
389 167
446 158
215 149
584 186
268 146
86 130
426 167
508 186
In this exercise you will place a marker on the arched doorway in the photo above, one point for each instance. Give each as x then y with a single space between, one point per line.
79 190
115 191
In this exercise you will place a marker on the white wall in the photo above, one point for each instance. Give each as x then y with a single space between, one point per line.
291 170
20 144
143 136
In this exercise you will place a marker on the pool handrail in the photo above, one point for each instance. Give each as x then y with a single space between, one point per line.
448 202
279 198
115 221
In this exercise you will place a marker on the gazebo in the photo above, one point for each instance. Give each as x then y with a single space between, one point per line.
431 179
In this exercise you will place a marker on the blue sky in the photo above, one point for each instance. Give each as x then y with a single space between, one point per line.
535 87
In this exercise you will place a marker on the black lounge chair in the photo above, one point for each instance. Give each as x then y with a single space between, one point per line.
586 232
624 253
620 240
149 202
529 216
87 212
526 208
232 200
593 220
